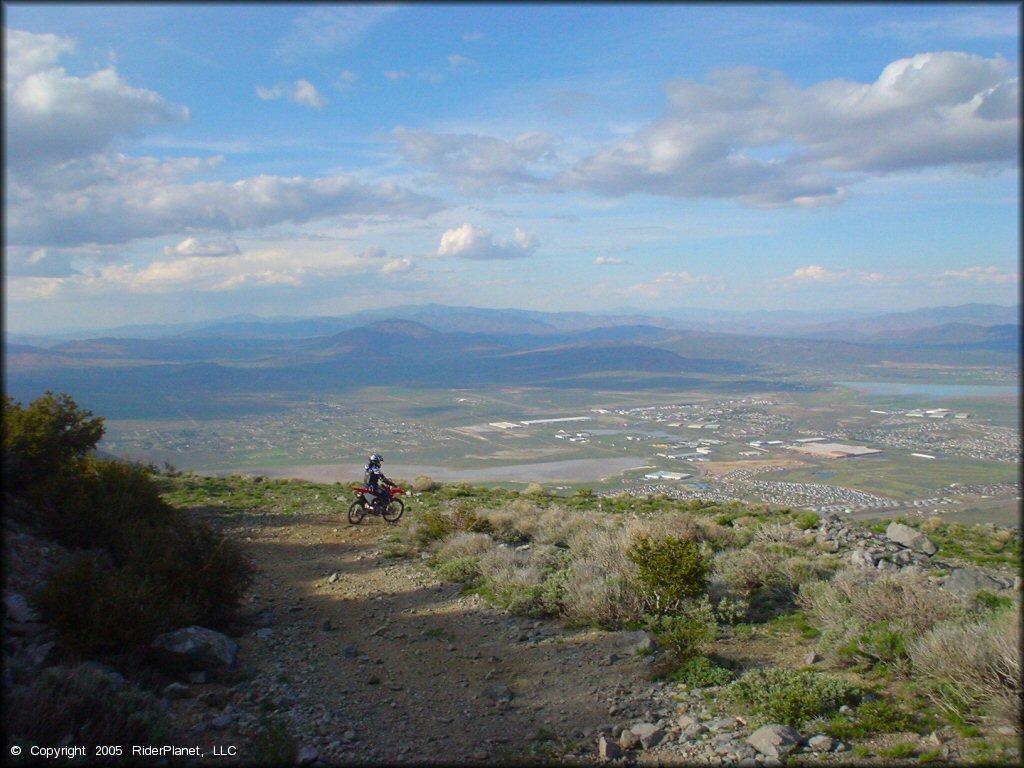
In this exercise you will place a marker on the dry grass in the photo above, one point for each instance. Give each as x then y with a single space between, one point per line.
973 667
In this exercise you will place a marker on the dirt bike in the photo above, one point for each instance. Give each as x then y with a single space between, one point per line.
370 503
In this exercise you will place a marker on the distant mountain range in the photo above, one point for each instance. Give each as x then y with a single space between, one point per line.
788 323
453 347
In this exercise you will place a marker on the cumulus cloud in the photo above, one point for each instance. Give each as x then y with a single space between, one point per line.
66 187
817 275
20 262
139 198
470 242
979 276
605 260
192 246
767 141
458 60
300 92
186 270
398 267
52 116
474 163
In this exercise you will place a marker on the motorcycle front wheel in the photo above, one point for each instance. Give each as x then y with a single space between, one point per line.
356 513
394 510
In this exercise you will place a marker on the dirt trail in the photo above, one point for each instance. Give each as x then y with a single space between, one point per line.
371 659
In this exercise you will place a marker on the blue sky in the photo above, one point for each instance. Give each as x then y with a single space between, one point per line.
172 162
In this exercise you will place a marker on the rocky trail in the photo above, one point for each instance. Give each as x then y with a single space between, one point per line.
369 659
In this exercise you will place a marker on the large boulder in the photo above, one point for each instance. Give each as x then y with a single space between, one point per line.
910 538
638 642
774 740
195 648
967 582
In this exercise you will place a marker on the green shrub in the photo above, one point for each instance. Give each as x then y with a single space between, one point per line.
465 518
791 697
686 634
45 440
465 568
669 571
272 744
903 749
986 601
432 525
700 672
807 520
90 706
876 716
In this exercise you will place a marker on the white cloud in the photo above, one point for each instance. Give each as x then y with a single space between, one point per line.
330 29
474 163
979 276
398 267
815 273
670 282
65 187
52 116
300 92
192 246
604 260
470 242
394 74
345 80
767 141
472 36
458 60
118 199
1000 23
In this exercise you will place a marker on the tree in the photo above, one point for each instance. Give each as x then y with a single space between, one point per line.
45 438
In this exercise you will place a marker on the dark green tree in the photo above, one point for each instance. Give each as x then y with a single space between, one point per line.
44 439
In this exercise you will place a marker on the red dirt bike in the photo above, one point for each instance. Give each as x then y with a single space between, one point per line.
385 505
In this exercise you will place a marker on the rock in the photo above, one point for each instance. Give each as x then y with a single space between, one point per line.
177 691
498 692
195 648
608 749
639 642
686 722
968 581
221 722
265 634
332 578
812 657
821 743
649 734
628 739
18 609
198 678
1016 584
774 740
307 755
910 538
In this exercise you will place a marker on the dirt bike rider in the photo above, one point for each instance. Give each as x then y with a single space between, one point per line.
374 480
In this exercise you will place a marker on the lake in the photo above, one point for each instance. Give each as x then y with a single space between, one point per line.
932 391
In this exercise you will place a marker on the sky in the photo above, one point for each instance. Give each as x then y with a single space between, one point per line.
172 162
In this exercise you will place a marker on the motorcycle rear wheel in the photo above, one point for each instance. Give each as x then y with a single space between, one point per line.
356 513
394 511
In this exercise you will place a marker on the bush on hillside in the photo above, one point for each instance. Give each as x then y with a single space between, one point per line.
791 697
686 634
150 567
83 705
45 440
972 668
669 571
865 616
